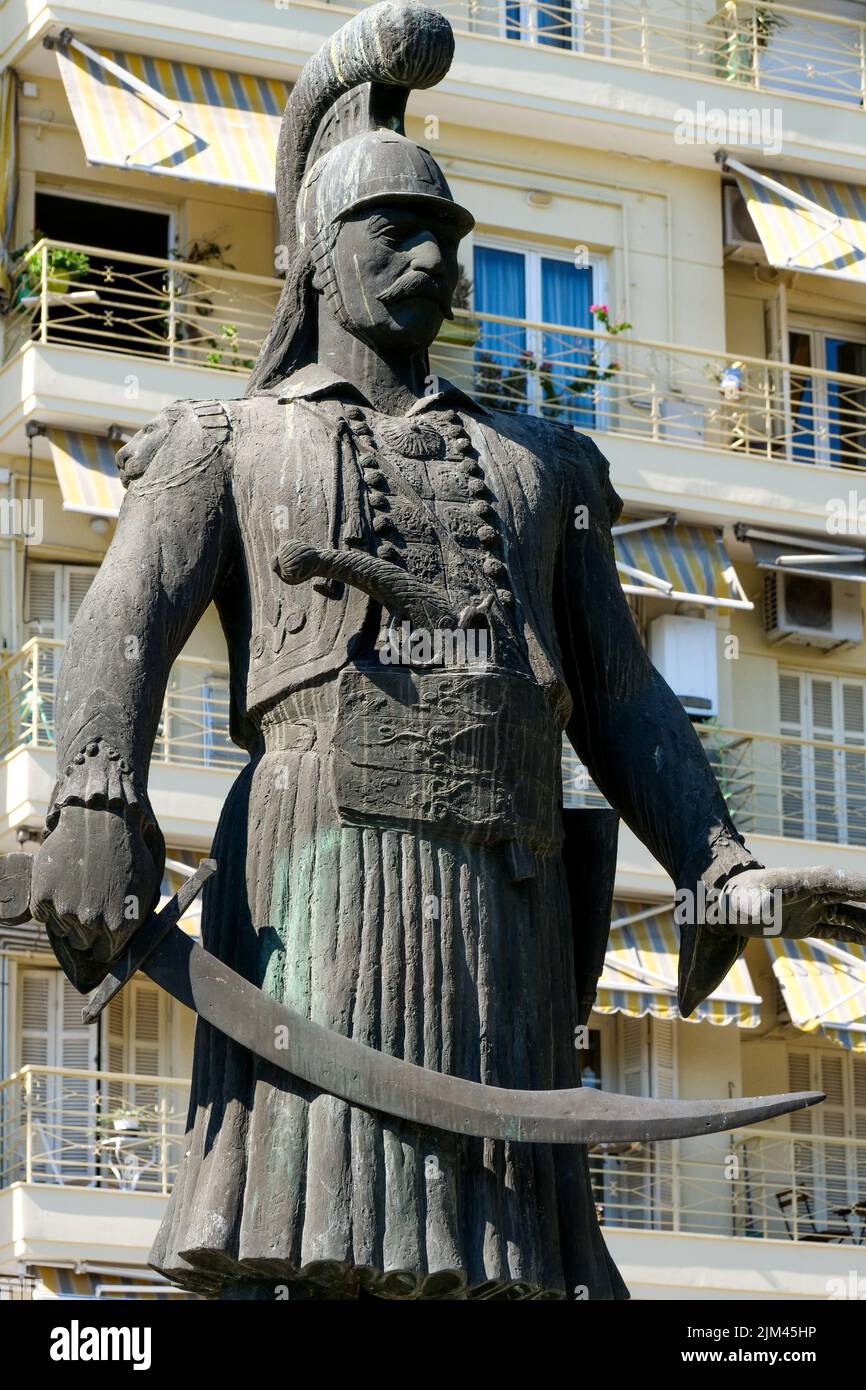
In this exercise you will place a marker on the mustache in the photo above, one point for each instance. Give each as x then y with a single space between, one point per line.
417 284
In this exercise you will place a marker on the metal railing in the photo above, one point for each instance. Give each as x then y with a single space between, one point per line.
774 784
749 43
171 310
96 1129
125 1132
638 387
193 729
766 1184
659 391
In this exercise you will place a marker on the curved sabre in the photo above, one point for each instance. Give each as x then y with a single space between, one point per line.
347 1068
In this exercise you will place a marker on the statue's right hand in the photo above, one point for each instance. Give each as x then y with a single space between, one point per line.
94 881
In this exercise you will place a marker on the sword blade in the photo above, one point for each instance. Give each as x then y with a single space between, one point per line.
374 1080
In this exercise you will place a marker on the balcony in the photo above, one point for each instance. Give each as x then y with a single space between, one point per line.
86 1151
782 1202
752 438
775 785
547 67
775 1185
193 737
94 1129
172 311
99 1151
749 43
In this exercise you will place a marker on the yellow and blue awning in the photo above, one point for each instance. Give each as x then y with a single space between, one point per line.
804 223
640 972
86 471
659 557
164 117
824 987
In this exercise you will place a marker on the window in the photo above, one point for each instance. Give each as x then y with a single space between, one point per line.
823 788
580 25
53 596
810 56
129 299
828 418
828 1176
637 1180
534 370
50 1035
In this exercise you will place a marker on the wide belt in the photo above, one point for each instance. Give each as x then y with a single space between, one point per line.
470 754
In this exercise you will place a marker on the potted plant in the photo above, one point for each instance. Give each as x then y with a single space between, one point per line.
125 1120
230 356
63 267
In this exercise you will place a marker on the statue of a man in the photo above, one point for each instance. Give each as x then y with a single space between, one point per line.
390 860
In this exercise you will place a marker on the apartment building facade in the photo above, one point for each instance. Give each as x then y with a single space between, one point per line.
670 254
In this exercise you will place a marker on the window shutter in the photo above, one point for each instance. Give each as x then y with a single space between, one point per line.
35 1017
792 755
145 1038
136 1032
633 1051
824 760
76 1042
78 583
858 1098
833 1125
663 1054
41 609
800 1079
854 764
115 1052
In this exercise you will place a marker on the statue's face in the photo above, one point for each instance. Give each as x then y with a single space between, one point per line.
396 269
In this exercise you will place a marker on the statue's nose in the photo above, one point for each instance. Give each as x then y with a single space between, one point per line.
426 255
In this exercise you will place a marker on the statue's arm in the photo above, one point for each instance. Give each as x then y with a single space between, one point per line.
98 870
627 725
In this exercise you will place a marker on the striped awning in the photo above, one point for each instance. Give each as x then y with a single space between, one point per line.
86 472
660 557
824 987
804 555
56 1281
164 117
640 972
804 223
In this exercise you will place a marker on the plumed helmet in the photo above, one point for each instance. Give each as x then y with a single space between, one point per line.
343 146
375 167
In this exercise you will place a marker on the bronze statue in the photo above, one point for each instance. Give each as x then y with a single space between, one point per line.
390 862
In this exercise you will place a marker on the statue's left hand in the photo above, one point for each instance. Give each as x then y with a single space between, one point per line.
795 903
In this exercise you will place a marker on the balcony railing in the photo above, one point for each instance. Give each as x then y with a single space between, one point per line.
193 730
170 310
774 784
123 1132
95 1129
637 387
750 43
770 1184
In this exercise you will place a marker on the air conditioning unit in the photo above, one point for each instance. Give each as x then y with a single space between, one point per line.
683 650
742 242
824 613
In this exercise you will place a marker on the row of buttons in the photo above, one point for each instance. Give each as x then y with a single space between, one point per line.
458 448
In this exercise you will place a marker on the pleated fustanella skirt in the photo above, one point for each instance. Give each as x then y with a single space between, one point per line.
423 948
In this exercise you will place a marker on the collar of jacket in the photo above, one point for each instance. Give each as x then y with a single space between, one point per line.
320 383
